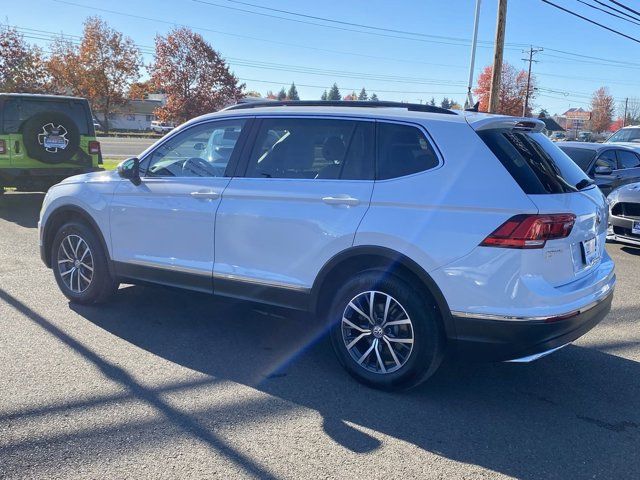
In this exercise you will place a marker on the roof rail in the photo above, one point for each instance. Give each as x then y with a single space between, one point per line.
412 107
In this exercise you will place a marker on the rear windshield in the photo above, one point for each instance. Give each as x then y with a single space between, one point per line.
582 156
17 110
534 161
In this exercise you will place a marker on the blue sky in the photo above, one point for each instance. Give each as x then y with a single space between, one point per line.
268 53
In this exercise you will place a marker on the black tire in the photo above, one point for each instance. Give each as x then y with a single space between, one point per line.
34 128
101 285
428 345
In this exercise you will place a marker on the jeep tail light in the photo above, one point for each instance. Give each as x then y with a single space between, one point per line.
3 147
94 147
530 231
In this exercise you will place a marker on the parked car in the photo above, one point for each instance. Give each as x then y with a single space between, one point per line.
558 136
44 139
161 127
629 136
584 137
610 166
411 230
624 218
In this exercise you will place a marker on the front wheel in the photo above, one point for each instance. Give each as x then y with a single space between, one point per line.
80 265
386 334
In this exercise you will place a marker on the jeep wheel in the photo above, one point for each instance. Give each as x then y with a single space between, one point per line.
385 333
80 265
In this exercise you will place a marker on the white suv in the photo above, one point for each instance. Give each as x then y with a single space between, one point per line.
410 229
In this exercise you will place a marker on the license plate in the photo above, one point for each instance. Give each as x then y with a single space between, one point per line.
635 228
590 251
54 141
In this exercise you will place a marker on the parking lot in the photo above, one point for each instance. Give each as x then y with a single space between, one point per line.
168 384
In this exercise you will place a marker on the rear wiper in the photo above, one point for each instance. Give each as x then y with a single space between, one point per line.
584 183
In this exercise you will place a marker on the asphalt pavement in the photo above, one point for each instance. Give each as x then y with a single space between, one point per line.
162 383
124 147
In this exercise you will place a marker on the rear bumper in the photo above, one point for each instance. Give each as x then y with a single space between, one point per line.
34 175
490 339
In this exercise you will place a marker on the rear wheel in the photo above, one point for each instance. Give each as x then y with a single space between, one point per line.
80 265
387 334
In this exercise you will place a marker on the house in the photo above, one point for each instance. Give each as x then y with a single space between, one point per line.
135 115
577 119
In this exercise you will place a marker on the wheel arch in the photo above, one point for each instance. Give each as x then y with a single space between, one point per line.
390 261
59 217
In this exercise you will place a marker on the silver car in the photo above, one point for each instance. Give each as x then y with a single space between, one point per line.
624 214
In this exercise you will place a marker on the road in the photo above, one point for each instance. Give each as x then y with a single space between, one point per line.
168 384
119 147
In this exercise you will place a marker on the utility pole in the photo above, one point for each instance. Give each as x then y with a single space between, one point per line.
532 52
624 118
469 102
494 93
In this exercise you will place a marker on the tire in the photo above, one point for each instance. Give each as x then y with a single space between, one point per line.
83 285
39 125
410 363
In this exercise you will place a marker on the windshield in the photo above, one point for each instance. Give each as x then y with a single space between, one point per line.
581 156
625 135
534 161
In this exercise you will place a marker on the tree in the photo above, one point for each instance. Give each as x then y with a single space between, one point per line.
616 125
445 103
350 97
334 93
453 105
325 96
271 96
140 90
293 92
513 86
632 109
101 68
432 102
602 109
543 113
193 75
282 94
363 96
374 98
22 66
253 94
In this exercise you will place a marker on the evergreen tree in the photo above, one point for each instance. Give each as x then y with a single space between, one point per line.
446 103
432 102
334 93
543 113
293 92
324 96
282 94
363 95
374 98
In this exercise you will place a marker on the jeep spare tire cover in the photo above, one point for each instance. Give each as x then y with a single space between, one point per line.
51 137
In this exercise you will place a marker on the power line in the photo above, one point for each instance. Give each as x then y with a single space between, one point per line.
636 12
599 2
591 21
608 12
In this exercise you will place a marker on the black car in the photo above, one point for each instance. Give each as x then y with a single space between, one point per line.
609 165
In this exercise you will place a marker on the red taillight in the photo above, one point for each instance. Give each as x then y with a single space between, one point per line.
3 147
530 231
94 147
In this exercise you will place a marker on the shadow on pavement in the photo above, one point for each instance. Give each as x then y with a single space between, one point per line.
21 208
575 414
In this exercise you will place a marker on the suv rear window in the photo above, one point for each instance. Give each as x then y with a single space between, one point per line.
402 150
534 161
16 111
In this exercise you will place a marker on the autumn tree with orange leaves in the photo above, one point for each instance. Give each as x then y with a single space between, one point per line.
602 110
193 75
22 66
101 68
513 86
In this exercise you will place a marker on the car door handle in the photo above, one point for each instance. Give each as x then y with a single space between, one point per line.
205 195
341 200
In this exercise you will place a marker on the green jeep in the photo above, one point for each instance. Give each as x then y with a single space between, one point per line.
44 139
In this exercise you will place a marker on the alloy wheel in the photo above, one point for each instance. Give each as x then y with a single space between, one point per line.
377 332
75 263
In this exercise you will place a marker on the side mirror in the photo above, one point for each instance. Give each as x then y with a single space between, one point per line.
130 169
603 170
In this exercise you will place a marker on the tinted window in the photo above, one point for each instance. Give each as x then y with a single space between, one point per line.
17 110
534 161
200 151
626 135
312 148
402 150
607 159
582 156
627 159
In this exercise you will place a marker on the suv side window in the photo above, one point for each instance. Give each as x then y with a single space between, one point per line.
402 150
200 151
627 159
304 148
607 159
